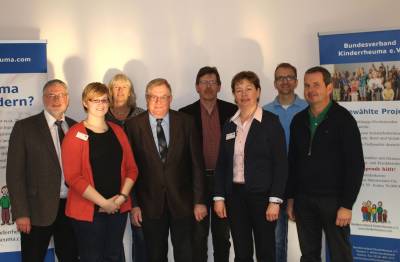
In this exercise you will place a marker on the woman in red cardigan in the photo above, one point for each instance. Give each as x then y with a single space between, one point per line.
100 171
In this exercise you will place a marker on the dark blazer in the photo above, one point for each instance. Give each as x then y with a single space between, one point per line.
179 181
225 111
329 164
265 161
33 171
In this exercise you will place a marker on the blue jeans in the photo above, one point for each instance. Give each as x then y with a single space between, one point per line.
101 240
281 235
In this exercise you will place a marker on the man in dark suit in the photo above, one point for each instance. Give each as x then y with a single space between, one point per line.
170 186
35 179
210 114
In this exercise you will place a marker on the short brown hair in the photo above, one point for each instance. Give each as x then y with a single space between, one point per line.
94 89
245 75
286 65
208 70
326 76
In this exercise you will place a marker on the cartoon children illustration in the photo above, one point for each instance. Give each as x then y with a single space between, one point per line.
373 213
5 205
369 211
384 216
380 211
364 211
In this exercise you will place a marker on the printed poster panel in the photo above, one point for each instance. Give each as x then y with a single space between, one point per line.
366 80
23 72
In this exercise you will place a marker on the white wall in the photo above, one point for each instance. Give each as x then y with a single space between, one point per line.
90 40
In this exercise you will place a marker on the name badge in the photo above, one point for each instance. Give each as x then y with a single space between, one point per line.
230 136
82 136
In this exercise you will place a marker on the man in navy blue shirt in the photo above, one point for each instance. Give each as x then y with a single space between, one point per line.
285 105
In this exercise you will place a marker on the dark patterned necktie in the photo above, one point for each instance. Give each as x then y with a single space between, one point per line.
60 130
162 142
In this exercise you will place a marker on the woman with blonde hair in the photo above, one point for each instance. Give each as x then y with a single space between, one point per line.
123 107
122 100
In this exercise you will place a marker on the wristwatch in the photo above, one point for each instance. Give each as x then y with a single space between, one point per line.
124 196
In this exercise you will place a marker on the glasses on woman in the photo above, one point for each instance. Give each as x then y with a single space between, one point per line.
99 101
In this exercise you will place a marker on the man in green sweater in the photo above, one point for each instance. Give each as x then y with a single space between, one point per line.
326 167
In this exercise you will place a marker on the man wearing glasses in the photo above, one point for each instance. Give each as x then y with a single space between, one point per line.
286 105
35 179
210 114
169 191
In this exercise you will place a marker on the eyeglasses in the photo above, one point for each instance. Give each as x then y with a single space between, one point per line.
157 98
56 96
287 78
208 82
99 101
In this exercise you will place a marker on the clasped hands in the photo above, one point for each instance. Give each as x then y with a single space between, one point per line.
112 205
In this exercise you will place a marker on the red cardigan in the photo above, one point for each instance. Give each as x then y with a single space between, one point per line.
78 172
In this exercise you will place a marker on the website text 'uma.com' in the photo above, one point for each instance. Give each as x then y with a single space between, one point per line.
15 59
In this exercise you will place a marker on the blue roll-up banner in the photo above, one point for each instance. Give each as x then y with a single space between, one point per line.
23 72
365 71
359 47
23 58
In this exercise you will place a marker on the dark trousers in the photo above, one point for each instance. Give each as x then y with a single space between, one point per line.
314 214
138 245
246 214
101 240
34 245
281 235
156 232
219 231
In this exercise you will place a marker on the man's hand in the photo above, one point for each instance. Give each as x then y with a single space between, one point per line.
219 208
200 211
24 224
272 212
343 217
136 216
290 210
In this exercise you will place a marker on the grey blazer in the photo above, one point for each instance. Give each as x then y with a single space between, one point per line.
33 171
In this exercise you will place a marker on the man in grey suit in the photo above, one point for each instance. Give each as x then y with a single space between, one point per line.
169 191
35 178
